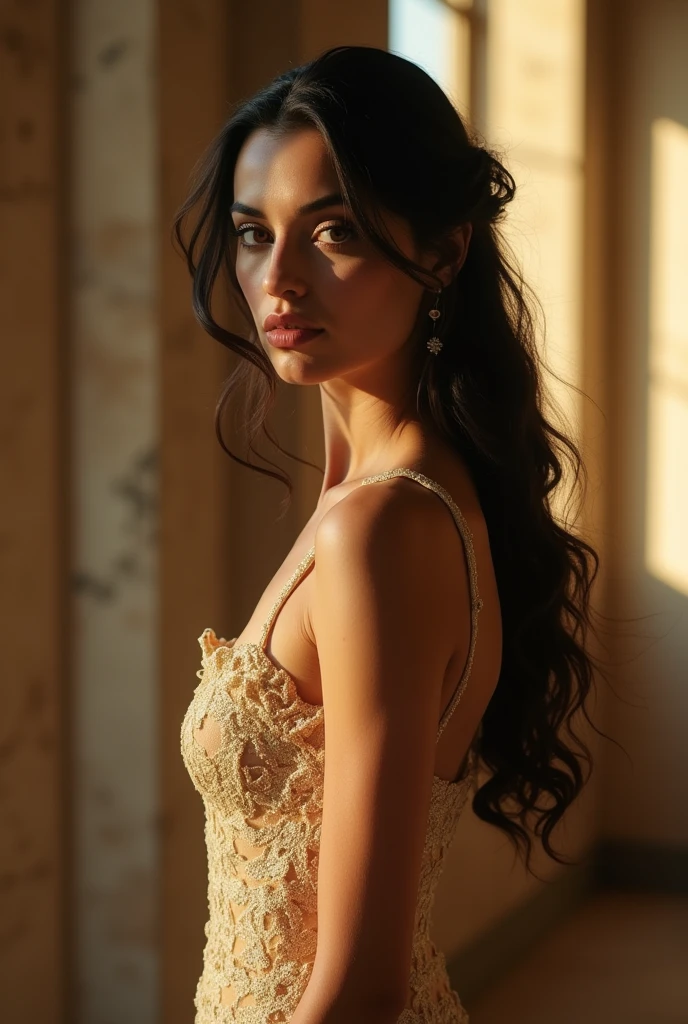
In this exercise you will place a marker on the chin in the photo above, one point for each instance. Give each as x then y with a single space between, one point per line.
294 366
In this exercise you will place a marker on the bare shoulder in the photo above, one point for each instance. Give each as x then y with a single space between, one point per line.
382 515
384 630
388 563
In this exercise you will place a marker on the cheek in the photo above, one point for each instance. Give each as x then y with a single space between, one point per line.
249 282
377 301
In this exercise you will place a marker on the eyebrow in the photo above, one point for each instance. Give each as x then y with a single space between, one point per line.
334 199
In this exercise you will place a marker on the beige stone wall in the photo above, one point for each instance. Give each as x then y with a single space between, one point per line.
646 800
114 455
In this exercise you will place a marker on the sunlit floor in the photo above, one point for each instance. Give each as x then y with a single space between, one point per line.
621 959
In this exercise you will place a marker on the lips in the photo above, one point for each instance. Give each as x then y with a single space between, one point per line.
287 321
281 338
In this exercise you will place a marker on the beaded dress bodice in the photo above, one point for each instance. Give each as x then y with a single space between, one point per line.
262 790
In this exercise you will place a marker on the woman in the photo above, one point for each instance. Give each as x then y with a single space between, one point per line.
357 222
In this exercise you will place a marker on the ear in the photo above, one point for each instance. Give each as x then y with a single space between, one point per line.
460 238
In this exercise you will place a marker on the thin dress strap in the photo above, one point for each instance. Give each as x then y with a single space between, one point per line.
293 581
475 599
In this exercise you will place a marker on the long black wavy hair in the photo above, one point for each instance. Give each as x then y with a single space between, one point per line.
397 142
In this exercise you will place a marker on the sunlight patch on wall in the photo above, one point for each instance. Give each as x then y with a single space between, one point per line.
436 36
666 537
535 115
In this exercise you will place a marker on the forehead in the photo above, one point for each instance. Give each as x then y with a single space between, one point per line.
283 170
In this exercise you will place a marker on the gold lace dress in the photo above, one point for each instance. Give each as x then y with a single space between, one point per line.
262 790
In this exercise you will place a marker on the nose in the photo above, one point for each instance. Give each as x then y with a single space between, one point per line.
284 271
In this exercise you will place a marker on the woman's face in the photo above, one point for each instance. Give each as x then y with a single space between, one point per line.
314 265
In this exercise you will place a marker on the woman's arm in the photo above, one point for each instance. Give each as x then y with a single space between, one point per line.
385 622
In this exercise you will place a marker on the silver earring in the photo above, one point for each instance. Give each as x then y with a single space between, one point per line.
434 344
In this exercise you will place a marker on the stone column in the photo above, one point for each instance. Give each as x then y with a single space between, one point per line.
114 438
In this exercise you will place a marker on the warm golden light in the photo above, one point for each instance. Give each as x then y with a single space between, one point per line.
666 537
435 35
535 84
535 58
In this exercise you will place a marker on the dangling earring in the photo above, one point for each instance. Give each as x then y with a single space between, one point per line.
434 344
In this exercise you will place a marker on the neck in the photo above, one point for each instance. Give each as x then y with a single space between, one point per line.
368 430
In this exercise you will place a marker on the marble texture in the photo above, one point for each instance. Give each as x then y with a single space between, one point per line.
114 571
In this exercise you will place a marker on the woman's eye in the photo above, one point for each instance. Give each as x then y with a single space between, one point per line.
245 229
346 228
241 232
